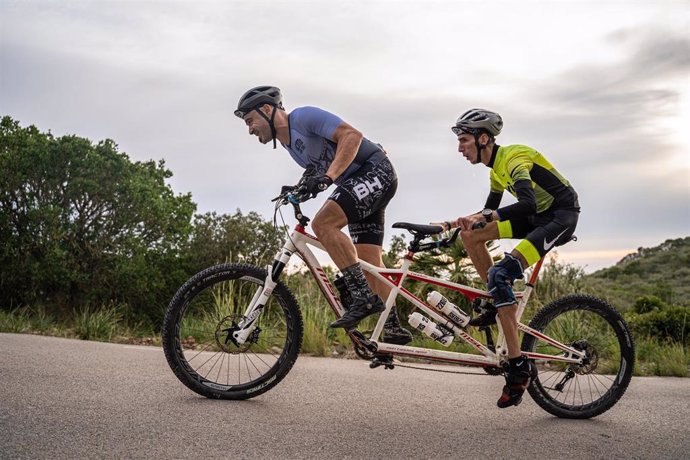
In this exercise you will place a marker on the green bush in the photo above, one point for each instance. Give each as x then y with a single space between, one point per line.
648 304
670 323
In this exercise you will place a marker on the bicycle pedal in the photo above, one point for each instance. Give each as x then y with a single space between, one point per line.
382 360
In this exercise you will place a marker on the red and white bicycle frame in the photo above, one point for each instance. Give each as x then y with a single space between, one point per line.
299 242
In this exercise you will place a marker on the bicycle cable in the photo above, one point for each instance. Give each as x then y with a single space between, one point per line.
285 227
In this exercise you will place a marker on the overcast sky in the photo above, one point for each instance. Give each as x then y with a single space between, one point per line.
602 88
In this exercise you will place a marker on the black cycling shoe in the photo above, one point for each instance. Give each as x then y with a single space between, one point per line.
516 384
358 310
487 313
393 332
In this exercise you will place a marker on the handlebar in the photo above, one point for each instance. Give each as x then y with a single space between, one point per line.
294 195
417 246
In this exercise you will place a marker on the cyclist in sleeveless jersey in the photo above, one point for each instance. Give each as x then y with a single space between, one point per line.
332 151
544 216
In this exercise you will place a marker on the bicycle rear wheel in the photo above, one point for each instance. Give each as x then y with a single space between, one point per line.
199 321
589 389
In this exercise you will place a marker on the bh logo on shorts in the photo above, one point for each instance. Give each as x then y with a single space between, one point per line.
363 189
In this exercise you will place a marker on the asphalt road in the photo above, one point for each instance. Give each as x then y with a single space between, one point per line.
65 398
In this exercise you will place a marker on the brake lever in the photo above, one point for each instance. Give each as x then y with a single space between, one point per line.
285 192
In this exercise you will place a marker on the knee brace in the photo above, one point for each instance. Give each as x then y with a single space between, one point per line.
501 277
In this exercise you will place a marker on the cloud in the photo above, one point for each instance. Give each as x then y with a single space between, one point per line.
162 80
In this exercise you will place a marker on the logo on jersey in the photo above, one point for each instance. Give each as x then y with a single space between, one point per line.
299 145
363 189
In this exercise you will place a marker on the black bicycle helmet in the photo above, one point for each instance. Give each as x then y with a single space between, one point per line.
476 121
256 97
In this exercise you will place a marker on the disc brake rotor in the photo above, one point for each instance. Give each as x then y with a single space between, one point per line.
224 335
591 359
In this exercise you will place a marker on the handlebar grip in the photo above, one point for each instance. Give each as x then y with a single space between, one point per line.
477 225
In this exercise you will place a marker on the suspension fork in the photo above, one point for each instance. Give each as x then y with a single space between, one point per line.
258 302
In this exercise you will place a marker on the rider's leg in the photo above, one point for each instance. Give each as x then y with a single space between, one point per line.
507 314
373 254
501 277
475 245
327 225
362 200
474 242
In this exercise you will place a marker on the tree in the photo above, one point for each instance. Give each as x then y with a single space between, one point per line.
233 238
83 225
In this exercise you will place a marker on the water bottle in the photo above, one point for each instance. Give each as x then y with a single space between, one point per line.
453 313
430 329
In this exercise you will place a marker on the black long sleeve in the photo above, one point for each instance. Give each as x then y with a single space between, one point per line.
493 201
526 205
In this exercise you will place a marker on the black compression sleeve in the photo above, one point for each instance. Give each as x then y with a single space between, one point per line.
526 205
493 200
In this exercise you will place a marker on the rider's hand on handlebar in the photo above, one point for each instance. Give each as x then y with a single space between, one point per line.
317 184
471 222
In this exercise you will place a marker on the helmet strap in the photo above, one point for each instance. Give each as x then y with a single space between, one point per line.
270 123
480 148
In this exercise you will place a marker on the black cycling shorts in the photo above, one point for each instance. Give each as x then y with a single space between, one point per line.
541 232
363 197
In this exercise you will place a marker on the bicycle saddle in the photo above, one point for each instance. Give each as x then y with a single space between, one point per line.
419 229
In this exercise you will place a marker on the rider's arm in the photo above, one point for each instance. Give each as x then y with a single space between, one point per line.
526 204
493 201
348 140
329 126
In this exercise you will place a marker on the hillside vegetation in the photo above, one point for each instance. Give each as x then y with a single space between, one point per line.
662 271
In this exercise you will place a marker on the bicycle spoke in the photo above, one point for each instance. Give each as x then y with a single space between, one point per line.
257 369
220 368
214 364
200 352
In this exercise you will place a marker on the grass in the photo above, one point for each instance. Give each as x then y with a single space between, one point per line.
108 323
662 359
319 339
105 324
97 323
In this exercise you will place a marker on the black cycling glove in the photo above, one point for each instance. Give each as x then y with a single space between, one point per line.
317 184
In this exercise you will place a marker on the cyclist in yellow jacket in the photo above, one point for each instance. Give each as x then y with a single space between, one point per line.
544 216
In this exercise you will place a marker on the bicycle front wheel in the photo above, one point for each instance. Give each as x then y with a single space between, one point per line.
584 390
199 322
